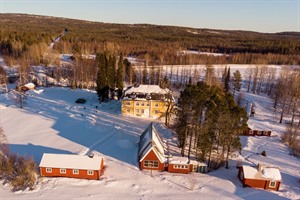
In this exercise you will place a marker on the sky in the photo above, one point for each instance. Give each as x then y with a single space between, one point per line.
254 15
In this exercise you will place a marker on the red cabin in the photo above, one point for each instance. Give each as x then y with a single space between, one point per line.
262 177
72 166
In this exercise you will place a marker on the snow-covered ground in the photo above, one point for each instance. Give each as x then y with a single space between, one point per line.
52 122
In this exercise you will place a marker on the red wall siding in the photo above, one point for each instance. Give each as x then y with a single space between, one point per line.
152 156
69 173
254 183
175 170
268 184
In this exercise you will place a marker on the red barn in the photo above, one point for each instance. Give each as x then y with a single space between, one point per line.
261 177
72 166
151 153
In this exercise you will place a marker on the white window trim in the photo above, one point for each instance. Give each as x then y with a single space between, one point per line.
274 184
48 170
63 171
74 171
90 172
180 167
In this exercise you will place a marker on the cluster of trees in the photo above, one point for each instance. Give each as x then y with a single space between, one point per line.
156 44
282 86
209 121
20 172
111 76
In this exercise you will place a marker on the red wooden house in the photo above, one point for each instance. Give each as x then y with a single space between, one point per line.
72 166
184 165
151 153
262 177
250 132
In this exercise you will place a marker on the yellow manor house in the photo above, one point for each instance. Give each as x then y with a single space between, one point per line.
146 101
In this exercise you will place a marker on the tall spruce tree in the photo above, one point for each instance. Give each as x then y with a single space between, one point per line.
227 81
102 85
237 81
120 76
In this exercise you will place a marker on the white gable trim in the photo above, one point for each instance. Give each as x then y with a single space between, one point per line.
156 153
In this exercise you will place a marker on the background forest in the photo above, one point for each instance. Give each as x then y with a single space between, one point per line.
31 35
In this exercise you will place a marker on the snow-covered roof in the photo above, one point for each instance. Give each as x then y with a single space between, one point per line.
270 173
178 160
147 89
69 161
151 140
29 85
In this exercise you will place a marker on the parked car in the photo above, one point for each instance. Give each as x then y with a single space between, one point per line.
80 100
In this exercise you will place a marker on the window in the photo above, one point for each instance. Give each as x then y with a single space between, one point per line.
137 103
250 132
128 110
142 111
148 104
49 170
127 103
151 163
75 171
90 172
63 171
156 112
142 104
272 184
180 166
156 105
137 110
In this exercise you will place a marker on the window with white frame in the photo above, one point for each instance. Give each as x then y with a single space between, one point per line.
151 163
272 184
180 166
49 170
75 171
63 171
90 172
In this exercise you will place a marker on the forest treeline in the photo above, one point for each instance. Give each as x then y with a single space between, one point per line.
155 44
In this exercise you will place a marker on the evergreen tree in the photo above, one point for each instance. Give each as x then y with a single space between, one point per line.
227 81
128 71
111 72
102 85
237 81
120 76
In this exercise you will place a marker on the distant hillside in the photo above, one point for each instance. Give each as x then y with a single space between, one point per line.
155 43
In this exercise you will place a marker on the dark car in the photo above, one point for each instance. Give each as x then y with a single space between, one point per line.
80 100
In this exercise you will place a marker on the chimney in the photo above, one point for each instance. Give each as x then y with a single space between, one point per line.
260 167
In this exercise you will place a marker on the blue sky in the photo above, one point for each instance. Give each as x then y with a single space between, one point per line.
254 15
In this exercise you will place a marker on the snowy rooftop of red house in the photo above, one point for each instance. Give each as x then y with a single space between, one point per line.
184 160
147 89
29 85
69 161
151 140
270 173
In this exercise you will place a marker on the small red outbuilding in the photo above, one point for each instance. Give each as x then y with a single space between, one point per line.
261 177
72 166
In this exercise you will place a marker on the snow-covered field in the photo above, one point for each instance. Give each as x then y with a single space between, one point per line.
51 122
